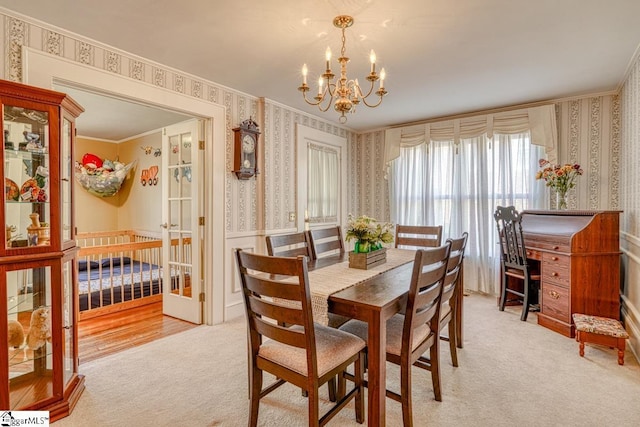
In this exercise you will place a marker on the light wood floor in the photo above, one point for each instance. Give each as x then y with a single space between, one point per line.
104 335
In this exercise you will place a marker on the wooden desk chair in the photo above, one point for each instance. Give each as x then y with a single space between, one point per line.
418 236
450 295
325 240
514 260
276 290
289 245
409 336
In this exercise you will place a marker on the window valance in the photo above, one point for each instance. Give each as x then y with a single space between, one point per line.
539 121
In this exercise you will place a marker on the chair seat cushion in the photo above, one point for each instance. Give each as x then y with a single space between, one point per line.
333 347
599 325
395 326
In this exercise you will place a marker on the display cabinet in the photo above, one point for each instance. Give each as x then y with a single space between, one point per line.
38 312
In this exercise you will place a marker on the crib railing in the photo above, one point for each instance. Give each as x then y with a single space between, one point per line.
106 291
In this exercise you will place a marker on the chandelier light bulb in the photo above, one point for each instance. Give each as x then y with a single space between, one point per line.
327 55
304 74
319 85
383 74
372 58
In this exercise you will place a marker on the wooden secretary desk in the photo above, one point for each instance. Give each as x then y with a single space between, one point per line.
579 257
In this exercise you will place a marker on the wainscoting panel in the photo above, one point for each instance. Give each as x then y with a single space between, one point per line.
233 304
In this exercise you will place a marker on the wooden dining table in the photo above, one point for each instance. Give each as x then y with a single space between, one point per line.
374 301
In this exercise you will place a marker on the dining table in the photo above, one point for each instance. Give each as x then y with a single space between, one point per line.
373 300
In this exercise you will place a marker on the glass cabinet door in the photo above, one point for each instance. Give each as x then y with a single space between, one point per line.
26 180
67 321
66 184
29 326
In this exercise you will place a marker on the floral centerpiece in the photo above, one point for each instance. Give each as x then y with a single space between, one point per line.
368 233
561 178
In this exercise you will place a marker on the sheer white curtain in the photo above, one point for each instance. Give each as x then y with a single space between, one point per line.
459 186
323 181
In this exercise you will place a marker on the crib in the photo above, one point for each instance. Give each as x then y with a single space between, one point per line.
122 269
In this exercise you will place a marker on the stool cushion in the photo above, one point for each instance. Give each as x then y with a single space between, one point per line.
599 325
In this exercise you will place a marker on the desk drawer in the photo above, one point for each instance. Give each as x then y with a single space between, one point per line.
555 269
547 246
534 254
555 302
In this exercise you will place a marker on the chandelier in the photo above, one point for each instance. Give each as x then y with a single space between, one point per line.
346 93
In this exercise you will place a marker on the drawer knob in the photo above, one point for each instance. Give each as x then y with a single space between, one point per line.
554 258
554 274
556 247
554 294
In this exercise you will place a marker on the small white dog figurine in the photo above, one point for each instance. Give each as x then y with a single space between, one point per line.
40 328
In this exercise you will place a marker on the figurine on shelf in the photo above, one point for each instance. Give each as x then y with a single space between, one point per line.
31 137
33 141
37 232
16 334
39 329
8 145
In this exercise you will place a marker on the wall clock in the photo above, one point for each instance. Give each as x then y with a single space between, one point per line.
245 156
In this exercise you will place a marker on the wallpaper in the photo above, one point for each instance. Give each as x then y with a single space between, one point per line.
630 202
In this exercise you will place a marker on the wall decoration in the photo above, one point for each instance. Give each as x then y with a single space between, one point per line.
149 176
157 152
144 176
186 173
147 149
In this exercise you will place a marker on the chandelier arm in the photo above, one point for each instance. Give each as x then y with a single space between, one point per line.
364 101
318 102
369 92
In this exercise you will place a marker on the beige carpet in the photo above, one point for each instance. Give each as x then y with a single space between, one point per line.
511 373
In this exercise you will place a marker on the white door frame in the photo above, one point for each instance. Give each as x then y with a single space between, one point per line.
43 70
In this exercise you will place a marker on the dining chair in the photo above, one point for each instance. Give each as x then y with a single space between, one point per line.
288 245
418 236
305 354
410 335
450 295
513 261
325 241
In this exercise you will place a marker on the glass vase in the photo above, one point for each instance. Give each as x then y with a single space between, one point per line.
561 200
362 247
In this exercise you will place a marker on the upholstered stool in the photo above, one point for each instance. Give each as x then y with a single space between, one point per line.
602 331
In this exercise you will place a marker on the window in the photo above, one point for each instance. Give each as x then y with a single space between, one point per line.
323 183
459 186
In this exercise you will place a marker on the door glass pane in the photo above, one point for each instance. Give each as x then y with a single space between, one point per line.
67 320
65 179
26 156
29 322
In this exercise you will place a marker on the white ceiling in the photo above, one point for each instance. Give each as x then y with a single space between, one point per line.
441 56
115 120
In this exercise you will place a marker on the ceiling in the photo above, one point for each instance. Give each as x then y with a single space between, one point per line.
442 57
116 120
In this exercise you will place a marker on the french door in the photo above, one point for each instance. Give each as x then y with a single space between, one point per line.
182 244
